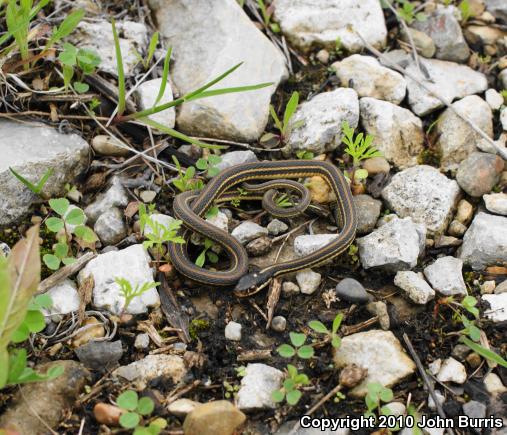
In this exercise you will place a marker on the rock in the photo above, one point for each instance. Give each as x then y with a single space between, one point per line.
352 291
425 195
181 407
98 355
5 250
133 264
310 23
501 288
456 139
379 309
440 400
110 227
474 409
213 418
158 218
107 414
98 36
498 8
233 331
308 281
445 275
208 50
494 99
479 173
376 165
234 158
449 80
31 150
260 246
51 399
306 244
452 371
320 190
494 384
90 329
394 246
378 351
368 212
503 119
464 212
247 231
446 242
259 382
142 341
423 43
369 78
443 27
397 408
498 307
322 119
153 366
278 323
147 94
289 287
460 352
114 196
456 229
487 287
147 196
416 287
496 203
435 366
105 145
503 78
276 227
398 133
65 299
485 241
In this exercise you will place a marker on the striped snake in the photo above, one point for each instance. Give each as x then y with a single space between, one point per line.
190 207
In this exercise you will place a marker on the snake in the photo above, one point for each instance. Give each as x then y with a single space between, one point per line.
191 206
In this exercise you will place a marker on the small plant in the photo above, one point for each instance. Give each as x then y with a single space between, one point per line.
338 46
209 165
377 394
298 347
151 51
185 180
135 411
304 155
82 59
407 12
352 253
466 10
206 253
291 387
34 319
130 293
230 390
35 188
319 327
283 126
266 17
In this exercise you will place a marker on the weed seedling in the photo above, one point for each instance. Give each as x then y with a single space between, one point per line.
298 347
135 411
291 385
35 188
209 165
206 253
377 394
284 126
82 59
130 293
332 335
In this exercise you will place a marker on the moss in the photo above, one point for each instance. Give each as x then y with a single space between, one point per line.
429 156
196 326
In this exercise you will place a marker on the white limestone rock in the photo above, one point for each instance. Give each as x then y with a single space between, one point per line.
445 275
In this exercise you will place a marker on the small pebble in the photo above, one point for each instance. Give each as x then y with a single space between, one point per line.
501 288
279 323
457 229
379 309
452 371
465 212
460 351
352 291
440 400
473 360
289 287
397 408
259 246
108 146
181 407
107 414
323 56
487 287
148 195
474 409
494 385
233 331
494 99
308 281
376 165
142 341
276 227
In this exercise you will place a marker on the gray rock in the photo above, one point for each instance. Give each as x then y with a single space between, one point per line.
496 203
415 286
423 43
153 366
110 227
485 242
394 246
474 409
322 119
306 244
211 48
445 30
440 400
279 323
105 145
234 158
65 299
449 80
308 281
310 23
289 287
98 355
424 194
397 131
369 78
494 99
456 139
378 351
379 309
501 288
368 212
498 307
114 196
456 228
147 93
276 227
31 150
503 78
259 246
445 275
142 341
493 384
233 331
247 231
259 382
352 291
5 250
479 173
158 218
133 264
397 408
498 8
452 371
503 118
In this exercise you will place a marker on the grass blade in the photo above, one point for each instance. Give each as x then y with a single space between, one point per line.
121 73
485 353
151 49
224 91
165 75
290 108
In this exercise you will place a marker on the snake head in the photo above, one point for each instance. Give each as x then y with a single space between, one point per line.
251 283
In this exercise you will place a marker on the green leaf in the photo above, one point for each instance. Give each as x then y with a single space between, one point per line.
129 420
42 301
165 76
276 120
318 327
297 339
66 27
277 396
199 261
289 384
482 351
51 261
17 365
305 352
337 323
201 164
127 400
361 174
34 321
54 224
68 56
59 205
68 73
81 87
301 379
75 216
293 371
145 406
86 234
21 334
336 342
290 108
151 49
214 159
68 260
212 257
386 395
286 351
121 73
61 250
293 397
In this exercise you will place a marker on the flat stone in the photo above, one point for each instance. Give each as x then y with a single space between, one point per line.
110 227
350 290
133 264
100 355
496 203
452 371
380 353
247 231
306 244
494 384
464 212
394 246
233 331
153 366
289 288
257 385
147 94
424 194
445 275
474 409
369 78
501 288
494 99
233 158
213 418
181 407
105 145
276 227
456 139
114 196
222 39
478 174
142 341
498 8
376 165
485 242
367 211
498 307
397 132
65 299
415 286
319 23
322 118
308 281
31 150
423 43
